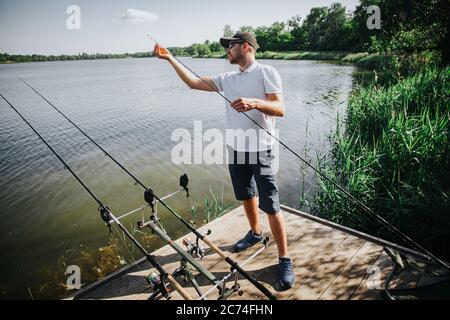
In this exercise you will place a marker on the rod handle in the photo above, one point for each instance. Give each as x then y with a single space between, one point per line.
179 288
215 248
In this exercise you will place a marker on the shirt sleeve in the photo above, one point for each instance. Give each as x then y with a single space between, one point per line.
272 81
218 81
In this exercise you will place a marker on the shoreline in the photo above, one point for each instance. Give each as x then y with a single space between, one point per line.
364 60
344 57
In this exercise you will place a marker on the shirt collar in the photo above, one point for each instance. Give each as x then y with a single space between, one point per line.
249 68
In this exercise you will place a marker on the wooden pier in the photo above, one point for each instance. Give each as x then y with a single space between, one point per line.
330 261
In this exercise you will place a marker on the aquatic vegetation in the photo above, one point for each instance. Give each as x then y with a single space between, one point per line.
394 156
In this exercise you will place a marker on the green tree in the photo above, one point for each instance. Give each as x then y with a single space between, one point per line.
405 25
227 31
263 38
203 50
216 47
246 29
313 26
335 29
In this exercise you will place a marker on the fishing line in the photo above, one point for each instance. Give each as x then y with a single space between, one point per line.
149 197
108 217
358 202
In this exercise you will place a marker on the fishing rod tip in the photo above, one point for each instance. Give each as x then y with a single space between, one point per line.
152 38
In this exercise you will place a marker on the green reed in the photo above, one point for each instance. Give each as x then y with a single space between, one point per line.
394 156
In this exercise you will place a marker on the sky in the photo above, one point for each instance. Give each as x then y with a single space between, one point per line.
113 26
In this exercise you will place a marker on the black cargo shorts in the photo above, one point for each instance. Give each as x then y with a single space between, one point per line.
251 171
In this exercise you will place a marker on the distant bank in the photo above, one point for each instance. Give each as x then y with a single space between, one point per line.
366 60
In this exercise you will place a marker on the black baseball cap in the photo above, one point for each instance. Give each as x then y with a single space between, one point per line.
240 36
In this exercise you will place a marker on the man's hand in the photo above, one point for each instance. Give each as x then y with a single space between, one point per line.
161 52
244 104
205 84
273 105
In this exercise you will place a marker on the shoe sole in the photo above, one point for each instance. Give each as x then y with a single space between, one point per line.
286 286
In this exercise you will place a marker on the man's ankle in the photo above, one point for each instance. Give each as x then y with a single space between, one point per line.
258 234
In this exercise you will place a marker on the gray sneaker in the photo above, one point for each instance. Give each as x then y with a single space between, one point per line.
286 273
249 240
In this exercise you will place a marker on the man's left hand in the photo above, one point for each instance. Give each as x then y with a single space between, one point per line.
244 104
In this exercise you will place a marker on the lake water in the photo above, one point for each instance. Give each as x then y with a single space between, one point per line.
130 107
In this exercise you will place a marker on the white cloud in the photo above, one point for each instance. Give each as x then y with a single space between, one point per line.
138 16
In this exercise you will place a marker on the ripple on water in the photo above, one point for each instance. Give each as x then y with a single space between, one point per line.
130 107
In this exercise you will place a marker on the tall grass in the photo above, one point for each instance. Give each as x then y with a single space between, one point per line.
305 200
394 156
213 207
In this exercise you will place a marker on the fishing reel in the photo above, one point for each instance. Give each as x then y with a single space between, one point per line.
194 248
106 216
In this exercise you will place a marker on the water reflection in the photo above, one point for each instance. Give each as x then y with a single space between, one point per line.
130 107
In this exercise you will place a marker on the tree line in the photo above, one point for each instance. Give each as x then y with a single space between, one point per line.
409 26
5 58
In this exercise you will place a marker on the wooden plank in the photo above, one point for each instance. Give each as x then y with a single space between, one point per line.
302 243
131 280
221 268
371 286
404 280
343 286
329 261
261 267
326 267
317 239
356 233
170 262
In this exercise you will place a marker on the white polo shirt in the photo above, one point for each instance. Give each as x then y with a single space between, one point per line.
255 82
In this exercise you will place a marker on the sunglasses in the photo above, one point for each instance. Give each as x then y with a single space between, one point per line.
231 44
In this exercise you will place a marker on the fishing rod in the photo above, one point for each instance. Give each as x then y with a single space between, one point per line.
220 285
380 219
193 250
150 196
186 257
159 286
108 217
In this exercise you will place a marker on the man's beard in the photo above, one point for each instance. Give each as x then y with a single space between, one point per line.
234 59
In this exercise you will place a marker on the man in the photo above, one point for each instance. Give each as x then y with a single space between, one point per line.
255 89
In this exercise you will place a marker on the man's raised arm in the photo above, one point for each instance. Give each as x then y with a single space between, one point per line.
192 81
